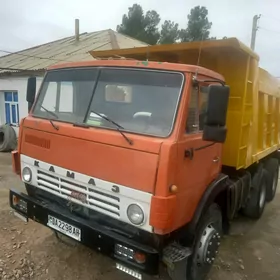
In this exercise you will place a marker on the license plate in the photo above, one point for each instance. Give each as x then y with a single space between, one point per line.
64 227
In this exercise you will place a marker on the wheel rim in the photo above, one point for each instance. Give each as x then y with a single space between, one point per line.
262 196
208 246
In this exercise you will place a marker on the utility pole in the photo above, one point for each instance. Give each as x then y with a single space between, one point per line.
254 31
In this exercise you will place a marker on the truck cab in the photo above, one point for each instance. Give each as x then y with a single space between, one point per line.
107 155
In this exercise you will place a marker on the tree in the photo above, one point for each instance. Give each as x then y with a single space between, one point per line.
198 25
169 32
140 26
151 22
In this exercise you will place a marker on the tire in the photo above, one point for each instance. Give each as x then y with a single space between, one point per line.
257 197
8 138
272 168
207 241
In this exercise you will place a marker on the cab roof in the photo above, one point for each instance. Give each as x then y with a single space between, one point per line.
140 64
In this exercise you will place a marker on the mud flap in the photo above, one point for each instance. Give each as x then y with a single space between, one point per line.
176 258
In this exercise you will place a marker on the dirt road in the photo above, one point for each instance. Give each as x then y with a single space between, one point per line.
30 251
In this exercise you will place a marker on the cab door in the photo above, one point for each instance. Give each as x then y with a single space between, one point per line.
199 161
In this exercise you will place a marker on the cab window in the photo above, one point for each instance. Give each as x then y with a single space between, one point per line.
197 109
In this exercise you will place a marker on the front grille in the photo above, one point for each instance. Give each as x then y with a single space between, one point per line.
81 194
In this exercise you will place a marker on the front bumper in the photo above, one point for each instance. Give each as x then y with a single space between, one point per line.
93 235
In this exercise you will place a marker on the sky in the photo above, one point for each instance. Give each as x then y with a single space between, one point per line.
27 23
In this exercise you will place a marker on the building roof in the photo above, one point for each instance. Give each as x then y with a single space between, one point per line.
65 50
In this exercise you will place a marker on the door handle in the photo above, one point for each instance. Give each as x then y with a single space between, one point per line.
216 159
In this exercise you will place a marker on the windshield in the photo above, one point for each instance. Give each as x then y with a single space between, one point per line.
138 101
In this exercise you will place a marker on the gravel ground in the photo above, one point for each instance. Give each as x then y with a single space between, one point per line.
31 251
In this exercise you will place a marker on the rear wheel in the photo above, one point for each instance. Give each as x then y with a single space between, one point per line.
256 202
208 238
272 168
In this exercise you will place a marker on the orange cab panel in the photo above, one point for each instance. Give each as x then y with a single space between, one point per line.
122 165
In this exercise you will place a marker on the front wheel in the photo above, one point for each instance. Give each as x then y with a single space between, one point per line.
207 242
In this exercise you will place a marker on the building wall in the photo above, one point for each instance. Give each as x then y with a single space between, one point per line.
19 85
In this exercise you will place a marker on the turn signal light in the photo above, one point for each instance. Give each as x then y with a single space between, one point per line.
140 257
173 189
15 200
19 204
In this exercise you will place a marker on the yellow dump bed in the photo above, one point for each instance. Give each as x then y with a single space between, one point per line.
253 118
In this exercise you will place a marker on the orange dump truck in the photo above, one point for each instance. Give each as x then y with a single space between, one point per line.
147 159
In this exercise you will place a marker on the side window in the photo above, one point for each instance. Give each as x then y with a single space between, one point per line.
193 116
66 97
203 101
49 101
197 109
65 102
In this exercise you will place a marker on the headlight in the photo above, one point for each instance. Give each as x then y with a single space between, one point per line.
135 214
26 174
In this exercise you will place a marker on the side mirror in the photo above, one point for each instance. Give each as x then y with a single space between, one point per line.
214 129
31 92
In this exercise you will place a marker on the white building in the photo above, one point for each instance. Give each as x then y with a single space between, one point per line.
15 68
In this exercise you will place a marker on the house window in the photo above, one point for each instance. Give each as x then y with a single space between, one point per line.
11 107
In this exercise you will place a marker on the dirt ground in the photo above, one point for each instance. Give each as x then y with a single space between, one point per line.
31 251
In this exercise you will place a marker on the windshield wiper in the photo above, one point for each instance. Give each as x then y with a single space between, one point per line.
53 114
119 127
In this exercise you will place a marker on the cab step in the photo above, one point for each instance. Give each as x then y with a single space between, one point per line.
175 257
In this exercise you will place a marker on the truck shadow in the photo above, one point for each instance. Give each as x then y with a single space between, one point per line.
252 249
